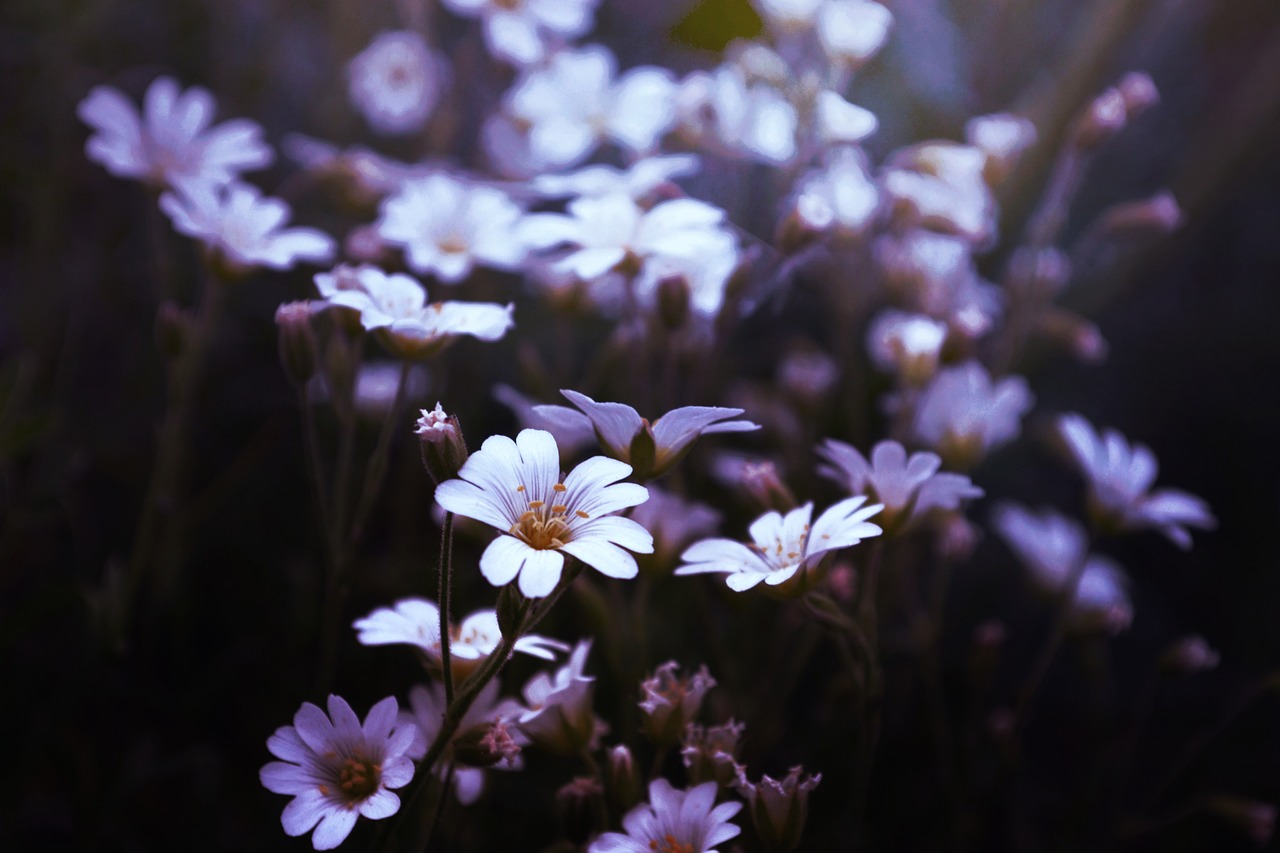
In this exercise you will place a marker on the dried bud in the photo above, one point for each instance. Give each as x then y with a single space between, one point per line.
673 301
1189 656
710 754
486 745
298 349
670 703
576 804
444 449
622 779
779 808
174 328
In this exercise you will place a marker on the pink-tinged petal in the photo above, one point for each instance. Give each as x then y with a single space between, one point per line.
333 829
503 559
541 572
469 501
616 424
303 812
280 778
620 531
314 728
380 805
380 719
286 744
607 559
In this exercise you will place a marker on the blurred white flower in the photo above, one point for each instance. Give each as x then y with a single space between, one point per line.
911 485
940 185
673 822
338 770
395 82
789 15
516 487
908 345
1002 137
733 116
514 29
243 227
1120 477
395 306
781 546
964 416
636 181
559 714
171 144
447 226
840 197
852 31
1052 547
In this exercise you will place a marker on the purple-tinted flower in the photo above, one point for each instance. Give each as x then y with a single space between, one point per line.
395 82
964 415
516 30
559 714
673 822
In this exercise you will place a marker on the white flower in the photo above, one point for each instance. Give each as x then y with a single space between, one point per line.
446 226
851 31
395 82
839 122
636 181
396 307
1052 547
750 119
1002 137
172 144
782 547
559 715
789 14
840 197
673 822
1120 479
513 29
963 416
573 103
516 487
903 484
653 448
336 771
906 344
416 622
941 185
244 227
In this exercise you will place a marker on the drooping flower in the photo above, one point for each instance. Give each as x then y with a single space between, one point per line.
515 30
171 144
779 808
244 228
651 449
416 622
395 306
783 547
673 822
337 769
1052 547
395 82
909 487
516 487
964 416
559 714
448 226
1120 477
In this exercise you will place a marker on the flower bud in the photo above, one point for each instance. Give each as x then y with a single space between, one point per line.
298 349
622 779
1139 92
670 703
1104 118
762 483
576 804
710 754
444 449
779 808
1189 656
174 328
486 745
1157 216
510 609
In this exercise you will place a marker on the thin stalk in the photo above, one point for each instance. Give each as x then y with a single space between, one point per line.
446 591
869 734
376 471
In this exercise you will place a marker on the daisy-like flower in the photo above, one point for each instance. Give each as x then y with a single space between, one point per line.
673 822
1120 477
516 487
559 714
395 307
651 449
395 82
783 547
514 30
909 488
636 181
1052 547
964 416
171 144
337 769
447 226
416 622
941 184
243 227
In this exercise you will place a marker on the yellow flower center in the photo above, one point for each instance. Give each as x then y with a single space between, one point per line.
669 844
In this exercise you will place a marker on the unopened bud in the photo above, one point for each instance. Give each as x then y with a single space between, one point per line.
710 754
622 779
576 806
444 450
670 703
510 610
673 301
298 349
762 483
1074 333
486 745
1189 656
174 328
1157 216
779 809
1104 118
1139 92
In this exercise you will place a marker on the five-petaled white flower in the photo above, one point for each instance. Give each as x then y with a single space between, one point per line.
171 144
337 770
1120 477
673 822
243 227
447 226
783 547
516 487
395 82
395 306
514 29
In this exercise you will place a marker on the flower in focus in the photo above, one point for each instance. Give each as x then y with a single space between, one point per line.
336 769
1053 547
964 416
171 144
909 488
670 702
779 808
651 449
513 29
416 622
516 487
395 306
1120 477
395 82
447 226
559 715
673 822
244 228
783 547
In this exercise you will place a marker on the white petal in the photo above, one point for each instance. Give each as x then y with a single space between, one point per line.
606 558
333 829
469 501
382 804
501 561
620 531
541 572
